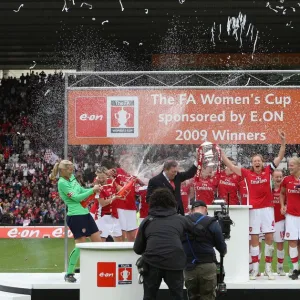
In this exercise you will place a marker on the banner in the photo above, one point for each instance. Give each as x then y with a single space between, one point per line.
183 116
33 232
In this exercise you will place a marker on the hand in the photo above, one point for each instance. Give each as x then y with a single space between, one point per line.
97 188
283 210
281 134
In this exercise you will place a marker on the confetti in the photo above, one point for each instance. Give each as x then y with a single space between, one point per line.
125 43
146 11
33 66
65 7
268 5
106 21
289 24
19 8
181 1
248 81
254 46
94 19
140 44
293 8
84 3
47 92
122 8
284 12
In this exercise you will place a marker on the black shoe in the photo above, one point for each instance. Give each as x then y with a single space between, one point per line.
77 270
70 278
295 275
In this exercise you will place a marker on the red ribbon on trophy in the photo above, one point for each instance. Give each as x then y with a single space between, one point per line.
209 155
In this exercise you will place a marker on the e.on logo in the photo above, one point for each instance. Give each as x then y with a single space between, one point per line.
106 274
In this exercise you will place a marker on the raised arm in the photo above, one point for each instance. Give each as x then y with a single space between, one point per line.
281 153
237 170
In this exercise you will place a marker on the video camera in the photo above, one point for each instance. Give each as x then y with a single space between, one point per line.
223 217
225 222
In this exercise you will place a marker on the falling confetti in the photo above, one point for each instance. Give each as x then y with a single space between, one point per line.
254 46
220 31
248 81
89 5
146 11
33 66
181 1
19 8
65 6
106 21
289 24
213 34
140 44
268 5
94 19
122 8
125 43
284 12
47 92
293 8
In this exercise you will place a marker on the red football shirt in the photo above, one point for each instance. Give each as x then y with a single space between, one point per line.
276 201
205 189
259 187
107 192
185 192
243 192
292 195
229 184
121 179
144 206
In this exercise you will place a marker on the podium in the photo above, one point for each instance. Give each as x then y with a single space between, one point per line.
108 269
236 261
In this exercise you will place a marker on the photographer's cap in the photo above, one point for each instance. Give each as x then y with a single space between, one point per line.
198 203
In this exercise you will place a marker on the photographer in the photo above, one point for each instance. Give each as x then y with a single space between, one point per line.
159 241
200 274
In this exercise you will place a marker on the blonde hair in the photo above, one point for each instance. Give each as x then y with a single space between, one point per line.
101 170
59 166
296 160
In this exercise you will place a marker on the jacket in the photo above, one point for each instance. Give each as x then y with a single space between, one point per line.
199 246
160 181
159 239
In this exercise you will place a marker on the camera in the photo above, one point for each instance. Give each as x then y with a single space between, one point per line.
223 217
225 222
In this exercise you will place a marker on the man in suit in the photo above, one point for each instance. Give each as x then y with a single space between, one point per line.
170 178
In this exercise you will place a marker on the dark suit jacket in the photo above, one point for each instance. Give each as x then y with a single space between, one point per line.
160 181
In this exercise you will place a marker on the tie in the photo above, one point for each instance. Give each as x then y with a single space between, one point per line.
172 184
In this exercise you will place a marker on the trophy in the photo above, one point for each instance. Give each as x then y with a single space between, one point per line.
209 155
122 116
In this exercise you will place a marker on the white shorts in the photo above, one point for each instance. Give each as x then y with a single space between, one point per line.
128 219
261 220
292 228
279 231
109 225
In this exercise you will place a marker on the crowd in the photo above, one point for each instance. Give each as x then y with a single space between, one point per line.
31 123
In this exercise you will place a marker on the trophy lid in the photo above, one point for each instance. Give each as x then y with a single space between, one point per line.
206 144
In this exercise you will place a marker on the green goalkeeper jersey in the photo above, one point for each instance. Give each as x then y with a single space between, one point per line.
72 193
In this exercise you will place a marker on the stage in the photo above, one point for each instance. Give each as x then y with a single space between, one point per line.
50 286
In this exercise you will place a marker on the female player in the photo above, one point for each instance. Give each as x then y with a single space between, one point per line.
79 220
261 216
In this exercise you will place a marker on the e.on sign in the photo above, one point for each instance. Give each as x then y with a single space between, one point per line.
182 116
106 274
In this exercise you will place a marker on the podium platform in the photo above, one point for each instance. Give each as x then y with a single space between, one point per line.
51 286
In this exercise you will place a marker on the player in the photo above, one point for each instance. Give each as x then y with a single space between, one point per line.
108 223
144 206
228 183
205 186
290 207
279 222
261 216
79 220
186 193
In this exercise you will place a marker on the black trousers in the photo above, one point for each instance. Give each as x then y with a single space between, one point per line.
153 279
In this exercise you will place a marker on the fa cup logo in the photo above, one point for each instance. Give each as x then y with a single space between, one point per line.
125 274
122 116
